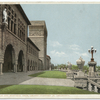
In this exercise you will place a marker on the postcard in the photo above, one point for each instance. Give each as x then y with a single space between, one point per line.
49 50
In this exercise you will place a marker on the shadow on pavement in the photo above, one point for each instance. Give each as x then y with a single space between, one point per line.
16 78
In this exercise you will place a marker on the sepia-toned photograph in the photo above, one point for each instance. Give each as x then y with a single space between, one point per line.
49 49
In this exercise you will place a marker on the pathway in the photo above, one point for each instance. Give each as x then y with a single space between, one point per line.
23 78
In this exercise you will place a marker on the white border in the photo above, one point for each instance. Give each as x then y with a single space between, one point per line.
49 96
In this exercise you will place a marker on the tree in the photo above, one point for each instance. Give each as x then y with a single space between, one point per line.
74 67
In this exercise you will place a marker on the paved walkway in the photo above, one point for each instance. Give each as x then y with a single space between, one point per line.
49 81
23 78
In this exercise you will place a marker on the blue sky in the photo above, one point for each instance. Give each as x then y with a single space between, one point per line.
72 30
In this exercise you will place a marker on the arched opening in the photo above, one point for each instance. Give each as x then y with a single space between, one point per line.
28 66
9 59
20 61
31 64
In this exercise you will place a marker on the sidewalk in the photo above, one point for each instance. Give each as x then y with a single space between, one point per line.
15 78
49 81
23 78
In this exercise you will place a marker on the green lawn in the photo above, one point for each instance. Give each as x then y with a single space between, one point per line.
50 74
40 89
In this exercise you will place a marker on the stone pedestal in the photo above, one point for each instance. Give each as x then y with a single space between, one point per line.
68 69
70 75
92 68
1 69
95 89
80 73
89 87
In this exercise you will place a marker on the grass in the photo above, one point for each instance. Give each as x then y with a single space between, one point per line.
40 89
50 74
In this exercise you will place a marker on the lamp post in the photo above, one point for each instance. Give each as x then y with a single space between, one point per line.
92 63
92 51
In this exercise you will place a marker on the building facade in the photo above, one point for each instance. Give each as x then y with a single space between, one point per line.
38 34
13 39
19 53
32 56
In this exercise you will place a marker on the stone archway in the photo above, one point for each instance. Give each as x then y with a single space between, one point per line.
9 59
20 61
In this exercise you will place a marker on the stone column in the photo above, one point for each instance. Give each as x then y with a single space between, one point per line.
95 89
23 68
14 68
1 65
89 87
4 28
91 68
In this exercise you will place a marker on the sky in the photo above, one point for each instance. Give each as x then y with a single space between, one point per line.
72 30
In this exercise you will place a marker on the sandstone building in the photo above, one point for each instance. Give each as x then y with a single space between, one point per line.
32 55
38 34
18 52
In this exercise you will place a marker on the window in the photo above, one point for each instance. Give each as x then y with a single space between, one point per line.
21 29
11 19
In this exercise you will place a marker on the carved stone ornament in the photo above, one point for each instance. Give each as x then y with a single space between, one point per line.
5 16
36 33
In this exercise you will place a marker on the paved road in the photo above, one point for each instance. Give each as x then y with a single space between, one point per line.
23 78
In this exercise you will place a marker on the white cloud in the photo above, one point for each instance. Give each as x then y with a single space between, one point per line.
55 44
74 47
57 54
81 54
85 54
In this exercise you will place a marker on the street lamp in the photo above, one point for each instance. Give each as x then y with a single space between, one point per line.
92 51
